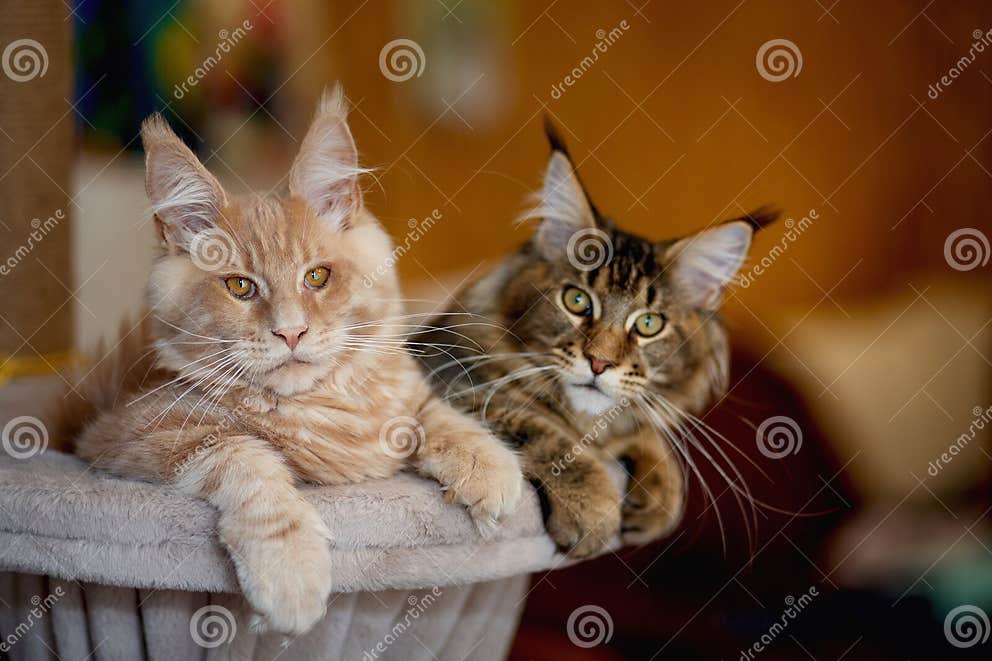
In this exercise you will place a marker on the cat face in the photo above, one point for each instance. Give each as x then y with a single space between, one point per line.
621 316
261 289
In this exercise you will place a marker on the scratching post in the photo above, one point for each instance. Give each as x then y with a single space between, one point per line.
37 149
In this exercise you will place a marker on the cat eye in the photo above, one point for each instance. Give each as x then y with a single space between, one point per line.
240 286
577 301
649 324
317 278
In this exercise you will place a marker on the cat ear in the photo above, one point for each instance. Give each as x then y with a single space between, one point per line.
186 199
325 173
564 208
702 265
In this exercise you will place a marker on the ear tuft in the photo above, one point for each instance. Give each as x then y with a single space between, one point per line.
185 197
702 265
326 173
333 102
761 217
562 205
555 138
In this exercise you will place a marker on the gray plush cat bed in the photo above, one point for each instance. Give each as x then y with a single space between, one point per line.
93 566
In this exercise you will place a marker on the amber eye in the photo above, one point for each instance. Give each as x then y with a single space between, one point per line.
577 301
240 286
649 324
317 278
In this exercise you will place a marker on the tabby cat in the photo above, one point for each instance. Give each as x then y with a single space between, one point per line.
269 363
604 346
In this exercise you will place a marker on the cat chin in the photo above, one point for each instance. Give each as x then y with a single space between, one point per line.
588 400
293 379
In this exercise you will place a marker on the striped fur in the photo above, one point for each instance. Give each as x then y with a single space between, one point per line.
535 384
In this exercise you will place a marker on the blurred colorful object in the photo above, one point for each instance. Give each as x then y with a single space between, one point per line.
134 58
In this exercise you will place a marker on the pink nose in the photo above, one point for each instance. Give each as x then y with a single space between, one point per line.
599 365
291 335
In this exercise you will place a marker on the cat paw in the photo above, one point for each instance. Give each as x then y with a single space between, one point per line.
643 522
285 574
490 485
654 503
584 514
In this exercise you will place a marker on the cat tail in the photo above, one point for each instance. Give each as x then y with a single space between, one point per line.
100 380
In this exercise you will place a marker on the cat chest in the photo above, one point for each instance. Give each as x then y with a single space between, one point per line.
328 445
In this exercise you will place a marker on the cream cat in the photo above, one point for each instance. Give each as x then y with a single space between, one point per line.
267 363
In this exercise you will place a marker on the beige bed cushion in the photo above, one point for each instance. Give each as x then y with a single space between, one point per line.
59 517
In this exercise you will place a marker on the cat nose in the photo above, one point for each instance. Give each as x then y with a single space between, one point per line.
291 335
599 365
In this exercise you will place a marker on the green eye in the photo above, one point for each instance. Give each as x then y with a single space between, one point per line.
240 286
577 301
649 324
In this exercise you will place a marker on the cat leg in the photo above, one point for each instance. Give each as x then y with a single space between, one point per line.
276 538
655 499
474 467
583 503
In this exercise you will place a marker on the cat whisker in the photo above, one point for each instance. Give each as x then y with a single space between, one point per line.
542 384
395 347
738 492
224 353
512 376
223 363
485 321
234 366
215 397
373 350
718 436
664 428
484 358
180 343
426 329
516 375
228 384
188 332
407 344
521 374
